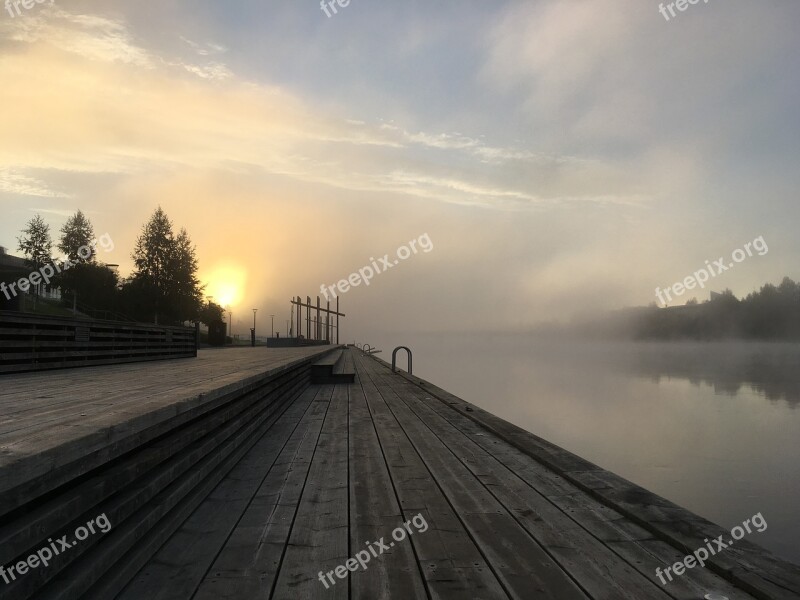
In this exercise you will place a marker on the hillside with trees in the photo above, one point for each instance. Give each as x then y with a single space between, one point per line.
771 313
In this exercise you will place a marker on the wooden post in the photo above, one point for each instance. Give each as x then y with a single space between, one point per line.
337 320
308 317
319 322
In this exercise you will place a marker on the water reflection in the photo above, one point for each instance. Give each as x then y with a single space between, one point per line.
771 370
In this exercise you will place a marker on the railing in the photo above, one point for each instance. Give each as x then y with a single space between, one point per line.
394 358
108 315
366 348
36 342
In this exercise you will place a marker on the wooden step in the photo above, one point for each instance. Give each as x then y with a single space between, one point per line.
52 511
108 569
333 368
344 371
145 492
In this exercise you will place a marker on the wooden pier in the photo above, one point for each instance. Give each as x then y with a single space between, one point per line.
233 476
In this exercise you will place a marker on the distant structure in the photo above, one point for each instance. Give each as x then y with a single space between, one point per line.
316 329
13 268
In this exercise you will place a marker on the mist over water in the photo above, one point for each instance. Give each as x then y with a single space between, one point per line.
713 427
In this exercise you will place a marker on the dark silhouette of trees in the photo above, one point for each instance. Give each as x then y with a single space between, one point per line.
76 235
95 286
84 280
164 287
772 313
36 245
211 312
186 293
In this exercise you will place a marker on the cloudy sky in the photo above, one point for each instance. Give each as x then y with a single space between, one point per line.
561 155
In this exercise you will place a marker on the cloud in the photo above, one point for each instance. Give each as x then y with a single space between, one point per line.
90 36
615 161
613 74
125 109
205 49
17 183
53 211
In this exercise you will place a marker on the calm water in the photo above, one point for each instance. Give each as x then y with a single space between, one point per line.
713 427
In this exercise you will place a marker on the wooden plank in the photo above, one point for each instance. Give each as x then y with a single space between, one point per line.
452 564
134 414
79 337
247 565
374 513
159 502
129 547
748 567
520 563
179 567
345 366
23 532
319 537
745 564
636 545
329 359
626 539
595 566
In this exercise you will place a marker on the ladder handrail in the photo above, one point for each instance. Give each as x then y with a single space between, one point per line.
394 358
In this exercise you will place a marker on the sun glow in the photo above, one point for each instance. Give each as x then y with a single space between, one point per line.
225 284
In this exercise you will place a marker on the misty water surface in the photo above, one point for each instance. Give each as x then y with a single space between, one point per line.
714 427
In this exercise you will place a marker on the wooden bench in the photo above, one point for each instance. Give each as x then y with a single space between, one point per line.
336 367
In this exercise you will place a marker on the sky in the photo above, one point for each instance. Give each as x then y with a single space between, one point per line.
560 156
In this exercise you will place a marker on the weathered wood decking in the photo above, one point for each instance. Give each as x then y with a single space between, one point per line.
50 419
506 515
347 464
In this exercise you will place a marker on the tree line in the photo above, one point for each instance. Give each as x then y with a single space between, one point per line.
771 313
163 288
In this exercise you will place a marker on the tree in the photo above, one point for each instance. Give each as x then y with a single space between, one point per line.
97 284
36 245
77 234
210 312
152 257
771 313
186 291
165 280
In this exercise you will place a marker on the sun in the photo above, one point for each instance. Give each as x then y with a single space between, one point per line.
225 284
226 294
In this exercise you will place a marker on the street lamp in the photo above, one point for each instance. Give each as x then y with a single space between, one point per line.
253 335
272 327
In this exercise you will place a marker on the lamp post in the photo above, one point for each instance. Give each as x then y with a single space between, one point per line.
272 326
253 334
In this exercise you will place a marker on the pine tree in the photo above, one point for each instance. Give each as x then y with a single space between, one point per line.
166 271
36 245
188 296
76 234
152 256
